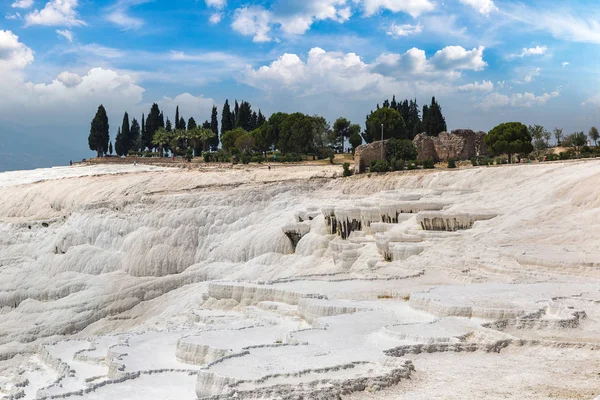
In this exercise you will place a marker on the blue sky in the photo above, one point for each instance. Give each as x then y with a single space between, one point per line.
486 61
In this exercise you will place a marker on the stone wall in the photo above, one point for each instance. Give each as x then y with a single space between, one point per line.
366 153
460 144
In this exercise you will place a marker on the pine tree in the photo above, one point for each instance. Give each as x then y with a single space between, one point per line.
134 135
425 120
413 122
161 123
110 149
143 133
393 104
244 116
386 103
404 110
254 121
181 124
168 126
226 118
99 136
214 126
191 124
125 134
260 119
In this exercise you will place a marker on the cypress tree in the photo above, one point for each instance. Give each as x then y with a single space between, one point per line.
214 126
110 149
181 124
125 134
413 122
143 133
437 122
191 124
386 103
393 104
177 118
254 121
153 122
168 126
404 110
244 116
134 134
119 145
226 118
99 136
260 119
236 114
161 121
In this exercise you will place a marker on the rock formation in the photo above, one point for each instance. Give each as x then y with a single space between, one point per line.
460 144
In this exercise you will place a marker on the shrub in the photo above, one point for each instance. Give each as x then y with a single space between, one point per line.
258 158
325 152
245 158
566 155
347 170
485 161
410 165
379 166
397 165
401 149
189 154
451 163
206 156
475 162
428 164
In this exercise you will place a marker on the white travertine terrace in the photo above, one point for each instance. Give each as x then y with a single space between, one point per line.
151 283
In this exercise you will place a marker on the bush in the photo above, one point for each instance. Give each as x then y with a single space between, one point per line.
429 164
451 163
397 165
325 152
245 158
401 150
379 166
485 161
148 153
410 165
258 159
347 170
566 155
206 156
189 154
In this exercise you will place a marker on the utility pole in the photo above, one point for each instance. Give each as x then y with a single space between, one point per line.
381 142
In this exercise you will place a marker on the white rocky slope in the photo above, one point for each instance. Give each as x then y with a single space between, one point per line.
132 282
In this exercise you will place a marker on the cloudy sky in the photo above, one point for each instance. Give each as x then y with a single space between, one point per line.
486 61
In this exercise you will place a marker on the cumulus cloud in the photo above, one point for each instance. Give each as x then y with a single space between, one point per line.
528 75
565 64
527 99
457 57
218 4
22 4
294 19
484 86
484 7
404 30
69 79
592 101
13 16
532 51
67 34
215 18
14 55
55 13
411 7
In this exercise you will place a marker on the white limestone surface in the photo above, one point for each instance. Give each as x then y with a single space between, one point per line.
142 282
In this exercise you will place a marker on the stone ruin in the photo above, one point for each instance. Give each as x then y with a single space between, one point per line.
460 144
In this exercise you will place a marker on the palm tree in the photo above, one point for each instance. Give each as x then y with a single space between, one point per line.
160 139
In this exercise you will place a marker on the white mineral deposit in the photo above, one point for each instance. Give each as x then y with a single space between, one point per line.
137 282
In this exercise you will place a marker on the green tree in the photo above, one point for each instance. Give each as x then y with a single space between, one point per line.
143 133
244 116
260 119
110 148
578 140
134 136
153 122
436 123
177 118
191 124
214 126
120 148
393 124
321 132
274 126
297 134
168 125
181 124
245 143
235 115
228 138
558 134
594 135
413 122
226 118
161 139
401 149
260 138
125 134
99 136
538 134
355 139
341 132
509 138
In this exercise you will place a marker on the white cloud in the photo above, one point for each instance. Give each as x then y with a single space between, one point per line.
119 14
22 4
67 34
457 57
218 4
55 13
404 30
13 16
592 101
411 7
565 64
293 19
484 7
14 55
188 105
215 18
561 23
484 86
532 51
253 21
526 99
69 79
528 75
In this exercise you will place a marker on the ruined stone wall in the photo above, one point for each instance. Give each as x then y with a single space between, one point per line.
366 153
460 144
